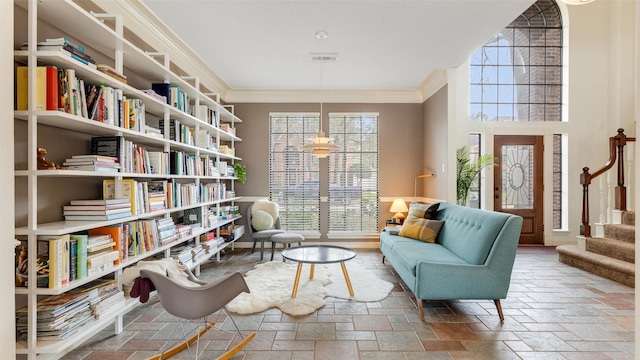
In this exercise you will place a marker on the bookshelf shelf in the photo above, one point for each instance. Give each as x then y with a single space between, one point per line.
207 127
54 347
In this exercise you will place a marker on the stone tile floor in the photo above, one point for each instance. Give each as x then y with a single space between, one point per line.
553 311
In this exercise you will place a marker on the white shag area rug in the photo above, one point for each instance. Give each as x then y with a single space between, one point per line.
271 284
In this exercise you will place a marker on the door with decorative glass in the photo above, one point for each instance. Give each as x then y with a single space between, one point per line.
518 183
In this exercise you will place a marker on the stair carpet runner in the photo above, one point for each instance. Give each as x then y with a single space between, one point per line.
612 256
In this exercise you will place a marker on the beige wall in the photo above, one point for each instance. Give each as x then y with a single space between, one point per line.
400 146
435 145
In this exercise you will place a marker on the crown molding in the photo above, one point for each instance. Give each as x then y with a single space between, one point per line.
328 96
141 21
434 82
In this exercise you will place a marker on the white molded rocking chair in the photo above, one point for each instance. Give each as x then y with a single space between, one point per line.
197 302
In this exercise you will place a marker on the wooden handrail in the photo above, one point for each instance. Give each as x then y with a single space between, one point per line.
616 151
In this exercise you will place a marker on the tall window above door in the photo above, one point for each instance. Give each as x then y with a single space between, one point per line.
517 75
353 173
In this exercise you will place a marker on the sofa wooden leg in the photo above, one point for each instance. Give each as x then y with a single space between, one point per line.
420 309
499 307
383 259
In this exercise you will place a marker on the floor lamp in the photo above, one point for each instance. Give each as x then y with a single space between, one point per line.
415 182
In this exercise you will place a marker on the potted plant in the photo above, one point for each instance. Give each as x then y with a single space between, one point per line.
241 172
468 172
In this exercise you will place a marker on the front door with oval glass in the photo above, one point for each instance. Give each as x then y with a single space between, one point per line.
518 183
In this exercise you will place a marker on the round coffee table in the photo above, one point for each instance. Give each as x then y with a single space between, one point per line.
318 254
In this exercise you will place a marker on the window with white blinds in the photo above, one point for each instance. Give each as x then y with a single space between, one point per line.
294 174
353 173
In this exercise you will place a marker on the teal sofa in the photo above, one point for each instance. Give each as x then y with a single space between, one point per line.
472 257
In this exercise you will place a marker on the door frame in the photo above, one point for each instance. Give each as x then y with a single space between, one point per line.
533 227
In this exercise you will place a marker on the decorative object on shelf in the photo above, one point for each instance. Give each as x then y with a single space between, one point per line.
399 207
44 164
415 182
321 145
467 172
241 172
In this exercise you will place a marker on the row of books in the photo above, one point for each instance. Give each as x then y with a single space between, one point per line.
71 257
207 114
173 95
155 195
60 89
60 316
143 196
134 158
65 258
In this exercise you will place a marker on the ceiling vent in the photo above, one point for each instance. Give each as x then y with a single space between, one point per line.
324 56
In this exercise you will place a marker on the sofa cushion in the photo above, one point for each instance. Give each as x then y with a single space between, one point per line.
431 211
469 233
407 253
421 229
418 209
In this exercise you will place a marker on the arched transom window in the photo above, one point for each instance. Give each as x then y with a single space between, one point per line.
517 75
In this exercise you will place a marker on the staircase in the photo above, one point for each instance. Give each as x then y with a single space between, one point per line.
611 256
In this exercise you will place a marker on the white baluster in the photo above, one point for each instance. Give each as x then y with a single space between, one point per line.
610 192
602 207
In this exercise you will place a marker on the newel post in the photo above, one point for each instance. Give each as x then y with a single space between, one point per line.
621 190
585 180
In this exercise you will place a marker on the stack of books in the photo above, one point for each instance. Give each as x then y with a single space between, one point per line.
108 70
155 195
97 210
104 296
92 163
210 243
101 253
183 230
166 231
65 47
186 257
59 316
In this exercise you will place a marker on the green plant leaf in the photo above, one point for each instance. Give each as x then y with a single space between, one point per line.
467 172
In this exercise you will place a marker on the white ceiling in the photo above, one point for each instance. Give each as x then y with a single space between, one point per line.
381 45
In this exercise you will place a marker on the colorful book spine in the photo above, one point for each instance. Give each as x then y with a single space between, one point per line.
55 263
66 256
73 259
81 255
22 88
52 88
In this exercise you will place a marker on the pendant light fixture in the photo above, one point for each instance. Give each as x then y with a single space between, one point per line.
321 146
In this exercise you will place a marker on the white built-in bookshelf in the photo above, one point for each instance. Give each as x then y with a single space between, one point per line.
41 194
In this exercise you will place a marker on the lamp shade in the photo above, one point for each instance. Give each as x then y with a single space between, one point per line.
398 205
321 146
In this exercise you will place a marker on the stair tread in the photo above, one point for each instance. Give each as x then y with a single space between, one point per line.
624 226
608 261
617 242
